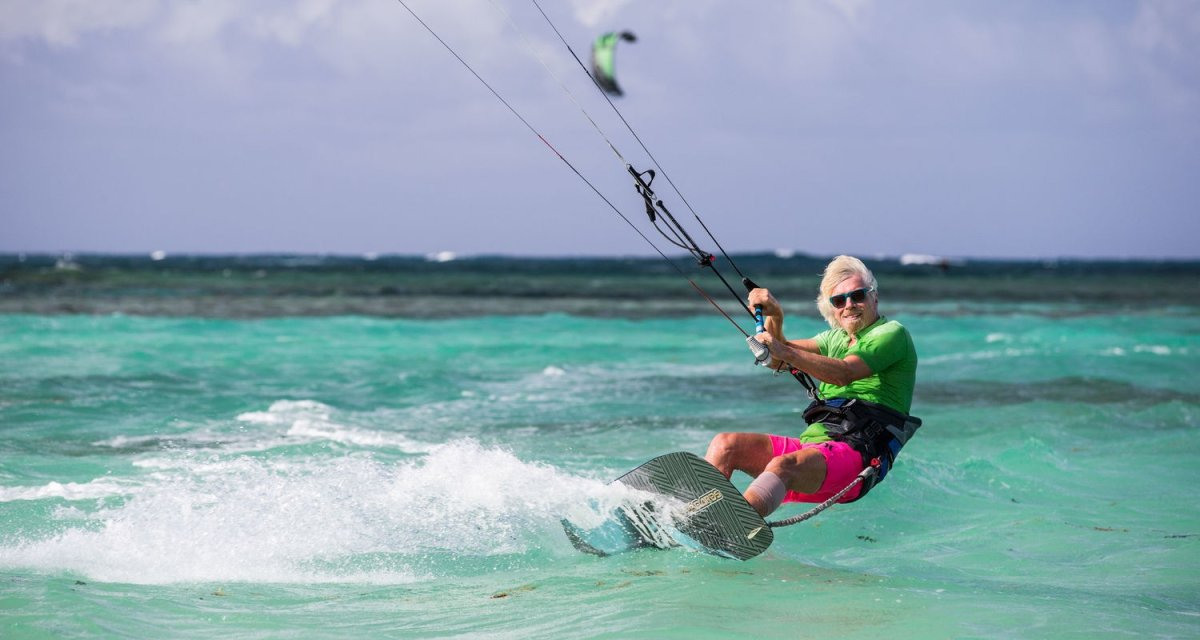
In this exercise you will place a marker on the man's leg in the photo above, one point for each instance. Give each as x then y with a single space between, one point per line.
802 471
745 452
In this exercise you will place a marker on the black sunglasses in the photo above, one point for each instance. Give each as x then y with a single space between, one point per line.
856 296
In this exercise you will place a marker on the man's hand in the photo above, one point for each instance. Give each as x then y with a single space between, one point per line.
762 297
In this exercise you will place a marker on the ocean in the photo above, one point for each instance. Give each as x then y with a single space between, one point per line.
384 446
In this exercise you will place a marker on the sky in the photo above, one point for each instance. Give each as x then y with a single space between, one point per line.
1004 129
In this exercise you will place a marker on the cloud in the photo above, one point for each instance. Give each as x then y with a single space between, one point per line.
1092 46
64 23
949 108
599 14
1166 37
190 23
293 28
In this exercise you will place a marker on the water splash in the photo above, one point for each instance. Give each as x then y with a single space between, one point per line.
334 519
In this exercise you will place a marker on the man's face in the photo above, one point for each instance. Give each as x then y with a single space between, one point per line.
855 316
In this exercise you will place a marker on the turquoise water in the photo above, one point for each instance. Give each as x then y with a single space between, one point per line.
354 476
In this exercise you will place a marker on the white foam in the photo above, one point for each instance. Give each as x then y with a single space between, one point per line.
1009 352
348 518
310 430
309 420
122 442
1156 349
287 411
95 489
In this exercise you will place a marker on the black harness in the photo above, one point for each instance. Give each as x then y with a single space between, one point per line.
875 431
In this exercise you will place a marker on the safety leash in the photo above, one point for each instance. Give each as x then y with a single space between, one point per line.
859 479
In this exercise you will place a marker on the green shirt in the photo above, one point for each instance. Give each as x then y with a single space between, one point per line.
887 348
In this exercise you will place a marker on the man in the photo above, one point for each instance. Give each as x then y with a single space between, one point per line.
867 367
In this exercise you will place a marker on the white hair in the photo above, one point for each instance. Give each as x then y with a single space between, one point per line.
836 272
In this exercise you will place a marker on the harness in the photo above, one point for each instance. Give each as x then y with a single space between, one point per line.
876 432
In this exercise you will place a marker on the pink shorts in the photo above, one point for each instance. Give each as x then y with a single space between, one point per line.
842 465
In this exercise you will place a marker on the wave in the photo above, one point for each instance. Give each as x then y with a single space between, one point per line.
92 490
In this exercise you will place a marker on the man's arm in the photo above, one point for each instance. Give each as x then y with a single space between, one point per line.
805 356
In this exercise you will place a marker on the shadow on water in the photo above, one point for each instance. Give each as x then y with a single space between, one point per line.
1070 390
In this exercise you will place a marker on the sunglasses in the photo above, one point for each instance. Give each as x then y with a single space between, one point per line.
856 296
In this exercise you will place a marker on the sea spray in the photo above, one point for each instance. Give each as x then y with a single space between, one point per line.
268 518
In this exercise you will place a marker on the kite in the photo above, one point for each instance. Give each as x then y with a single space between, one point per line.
603 60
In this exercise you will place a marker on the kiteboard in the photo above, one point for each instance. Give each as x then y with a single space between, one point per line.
712 515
